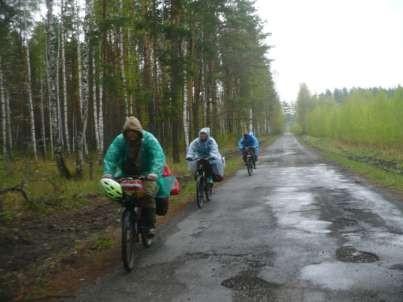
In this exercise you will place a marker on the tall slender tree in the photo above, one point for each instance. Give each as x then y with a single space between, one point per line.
3 112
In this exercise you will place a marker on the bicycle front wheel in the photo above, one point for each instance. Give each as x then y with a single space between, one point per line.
200 192
249 166
129 235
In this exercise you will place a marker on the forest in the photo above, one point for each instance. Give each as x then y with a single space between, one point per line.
371 117
72 70
359 128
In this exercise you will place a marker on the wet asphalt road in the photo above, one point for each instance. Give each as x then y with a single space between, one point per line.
297 230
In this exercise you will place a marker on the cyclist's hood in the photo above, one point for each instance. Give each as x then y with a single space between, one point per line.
205 130
132 123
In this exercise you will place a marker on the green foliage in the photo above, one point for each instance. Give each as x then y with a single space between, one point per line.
101 243
371 117
360 129
217 36
296 128
304 106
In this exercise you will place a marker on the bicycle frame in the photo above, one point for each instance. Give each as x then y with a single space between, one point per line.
201 167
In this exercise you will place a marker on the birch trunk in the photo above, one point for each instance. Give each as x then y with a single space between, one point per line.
73 141
250 125
101 106
50 119
43 125
95 105
3 114
186 102
9 129
131 49
64 80
122 62
186 113
29 91
49 96
79 136
51 79
79 70
83 84
59 113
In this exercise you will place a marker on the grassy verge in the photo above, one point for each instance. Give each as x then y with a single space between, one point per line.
380 166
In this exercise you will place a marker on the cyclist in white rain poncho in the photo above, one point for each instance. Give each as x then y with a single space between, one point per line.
205 147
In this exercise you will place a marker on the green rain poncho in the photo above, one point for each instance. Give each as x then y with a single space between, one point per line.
151 158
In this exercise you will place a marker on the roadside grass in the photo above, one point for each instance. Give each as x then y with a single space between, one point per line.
380 166
48 192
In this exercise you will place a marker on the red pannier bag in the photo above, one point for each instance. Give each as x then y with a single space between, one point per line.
162 203
176 188
166 172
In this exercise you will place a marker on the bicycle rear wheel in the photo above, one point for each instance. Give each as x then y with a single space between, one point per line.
129 235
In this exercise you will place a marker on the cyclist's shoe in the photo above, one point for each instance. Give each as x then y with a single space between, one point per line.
210 180
150 232
149 221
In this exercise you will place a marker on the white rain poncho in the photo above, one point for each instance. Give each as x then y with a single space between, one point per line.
206 149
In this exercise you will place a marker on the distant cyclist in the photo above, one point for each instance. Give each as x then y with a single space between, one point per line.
205 147
249 141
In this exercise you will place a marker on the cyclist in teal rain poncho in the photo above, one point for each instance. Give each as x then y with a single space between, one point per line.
136 152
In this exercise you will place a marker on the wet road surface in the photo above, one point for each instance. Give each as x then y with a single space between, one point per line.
297 230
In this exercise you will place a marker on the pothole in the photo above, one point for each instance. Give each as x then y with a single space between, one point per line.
351 254
398 267
343 222
248 282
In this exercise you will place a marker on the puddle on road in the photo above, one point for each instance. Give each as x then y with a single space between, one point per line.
343 222
351 254
250 284
353 276
397 267
296 210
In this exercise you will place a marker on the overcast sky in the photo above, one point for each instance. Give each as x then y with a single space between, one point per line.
334 43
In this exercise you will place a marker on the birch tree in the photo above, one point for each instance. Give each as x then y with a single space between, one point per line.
122 61
51 80
31 104
43 124
186 87
29 88
95 105
84 88
101 104
64 79
58 105
177 64
3 113
9 129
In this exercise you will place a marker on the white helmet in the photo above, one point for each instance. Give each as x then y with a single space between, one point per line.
112 188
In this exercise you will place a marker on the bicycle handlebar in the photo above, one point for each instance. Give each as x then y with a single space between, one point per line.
200 158
131 178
